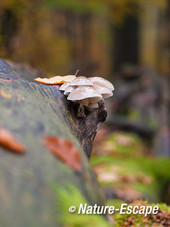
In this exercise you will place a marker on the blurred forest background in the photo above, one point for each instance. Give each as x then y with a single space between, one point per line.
125 41
98 37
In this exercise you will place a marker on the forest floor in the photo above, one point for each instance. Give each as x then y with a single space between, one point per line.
129 173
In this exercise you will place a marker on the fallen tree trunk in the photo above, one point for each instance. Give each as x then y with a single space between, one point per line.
30 111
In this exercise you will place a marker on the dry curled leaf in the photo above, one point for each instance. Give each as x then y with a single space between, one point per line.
8 141
64 150
56 79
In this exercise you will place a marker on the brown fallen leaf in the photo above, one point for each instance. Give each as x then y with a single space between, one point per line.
107 175
124 140
128 178
56 79
8 141
5 95
127 193
64 150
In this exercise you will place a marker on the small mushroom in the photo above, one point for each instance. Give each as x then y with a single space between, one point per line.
69 89
101 82
81 81
88 92
64 86
84 92
104 91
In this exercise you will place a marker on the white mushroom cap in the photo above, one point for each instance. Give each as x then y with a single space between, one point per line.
69 89
84 92
81 81
87 91
101 82
64 86
104 91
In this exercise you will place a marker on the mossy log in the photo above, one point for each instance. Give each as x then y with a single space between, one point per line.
30 111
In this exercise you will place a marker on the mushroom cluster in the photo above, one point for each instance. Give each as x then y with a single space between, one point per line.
87 91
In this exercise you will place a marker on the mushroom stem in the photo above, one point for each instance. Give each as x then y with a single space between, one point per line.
85 102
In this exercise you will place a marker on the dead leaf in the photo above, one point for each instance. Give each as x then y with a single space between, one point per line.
64 150
107 175
124 140
144 179
108 147
8 141
128 178
127 193
56 79
5 95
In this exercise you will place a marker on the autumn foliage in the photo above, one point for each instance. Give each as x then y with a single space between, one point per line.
8 141
64 150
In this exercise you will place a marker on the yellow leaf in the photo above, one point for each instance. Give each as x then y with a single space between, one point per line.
56 79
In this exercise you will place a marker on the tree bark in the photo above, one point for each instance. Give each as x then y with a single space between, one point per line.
35 110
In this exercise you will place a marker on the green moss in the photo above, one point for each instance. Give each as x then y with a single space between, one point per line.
139 219
149 192
72 197
157 169
162 206
115 202
126 143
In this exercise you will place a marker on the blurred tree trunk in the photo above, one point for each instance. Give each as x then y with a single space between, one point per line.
78 31
125 43
8 29
86 36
